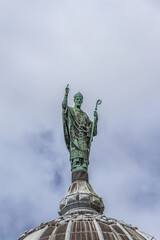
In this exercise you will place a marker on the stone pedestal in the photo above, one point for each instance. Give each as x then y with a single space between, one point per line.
80 197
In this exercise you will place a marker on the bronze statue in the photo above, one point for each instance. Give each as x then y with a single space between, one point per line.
78 131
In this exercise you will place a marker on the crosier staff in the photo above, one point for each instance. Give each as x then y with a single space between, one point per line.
95 113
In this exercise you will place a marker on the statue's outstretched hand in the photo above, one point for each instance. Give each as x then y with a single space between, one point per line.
67 90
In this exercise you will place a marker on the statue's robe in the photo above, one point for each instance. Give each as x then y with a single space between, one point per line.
77 132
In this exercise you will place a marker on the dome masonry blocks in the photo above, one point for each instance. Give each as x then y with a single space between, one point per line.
84 226
81 218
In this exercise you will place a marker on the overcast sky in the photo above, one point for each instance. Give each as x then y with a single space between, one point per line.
108 49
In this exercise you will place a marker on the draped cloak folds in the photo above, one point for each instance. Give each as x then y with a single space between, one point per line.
77 132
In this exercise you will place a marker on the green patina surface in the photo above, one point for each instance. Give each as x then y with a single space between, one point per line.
78 131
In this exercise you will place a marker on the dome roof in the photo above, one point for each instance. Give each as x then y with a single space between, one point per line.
81 218
84 226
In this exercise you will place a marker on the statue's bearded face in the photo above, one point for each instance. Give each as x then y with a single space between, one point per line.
78 101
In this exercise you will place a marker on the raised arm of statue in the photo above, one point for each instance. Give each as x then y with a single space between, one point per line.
65 100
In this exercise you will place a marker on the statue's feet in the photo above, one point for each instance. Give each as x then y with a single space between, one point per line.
84 166
79 164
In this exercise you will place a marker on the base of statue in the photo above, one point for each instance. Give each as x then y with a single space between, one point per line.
79 175
81 198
